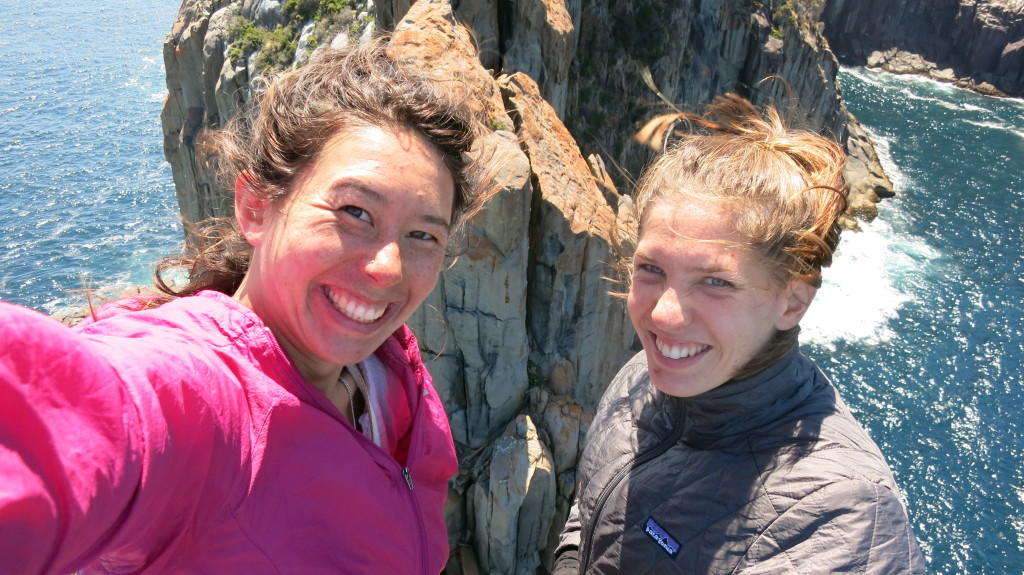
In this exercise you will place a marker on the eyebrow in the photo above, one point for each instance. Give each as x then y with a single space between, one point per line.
437 220
703 268
378 197
712 269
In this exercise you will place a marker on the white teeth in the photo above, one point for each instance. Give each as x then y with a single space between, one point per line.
679 351
360 312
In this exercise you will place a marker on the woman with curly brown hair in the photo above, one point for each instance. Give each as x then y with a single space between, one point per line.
720 448
272 415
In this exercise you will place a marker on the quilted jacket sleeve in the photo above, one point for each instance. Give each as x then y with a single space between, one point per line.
851 526
567 552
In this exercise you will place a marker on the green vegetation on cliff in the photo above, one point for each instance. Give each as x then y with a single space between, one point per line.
802 13
276 48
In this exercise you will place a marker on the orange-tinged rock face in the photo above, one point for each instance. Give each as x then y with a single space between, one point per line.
561 173
429 39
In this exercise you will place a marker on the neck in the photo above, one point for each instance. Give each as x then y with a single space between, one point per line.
348 396
323 376
738 406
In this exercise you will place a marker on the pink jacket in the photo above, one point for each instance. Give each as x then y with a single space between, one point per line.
211 455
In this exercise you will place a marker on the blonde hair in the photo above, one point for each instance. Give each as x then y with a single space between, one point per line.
783 186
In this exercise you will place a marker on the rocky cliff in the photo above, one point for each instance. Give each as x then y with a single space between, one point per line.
978 44
522 334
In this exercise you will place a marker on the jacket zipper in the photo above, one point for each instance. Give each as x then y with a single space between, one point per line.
643 458
407 474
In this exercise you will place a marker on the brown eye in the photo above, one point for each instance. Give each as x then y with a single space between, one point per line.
422 236
357 212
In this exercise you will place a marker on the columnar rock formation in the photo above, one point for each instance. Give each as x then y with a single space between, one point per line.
589 60
975 43
526 306
523 333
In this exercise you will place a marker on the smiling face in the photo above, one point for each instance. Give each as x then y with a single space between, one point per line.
703 306
355 247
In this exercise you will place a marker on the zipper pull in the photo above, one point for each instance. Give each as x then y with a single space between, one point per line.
408 477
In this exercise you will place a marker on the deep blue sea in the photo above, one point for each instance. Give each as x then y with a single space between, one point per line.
86 198
919 322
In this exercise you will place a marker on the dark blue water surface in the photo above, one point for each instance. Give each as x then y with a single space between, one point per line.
86 197
919 322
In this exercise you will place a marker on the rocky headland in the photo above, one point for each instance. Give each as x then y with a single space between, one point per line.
976 44
523 333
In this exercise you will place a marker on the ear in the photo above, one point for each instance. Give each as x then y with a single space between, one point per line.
798 296
250 208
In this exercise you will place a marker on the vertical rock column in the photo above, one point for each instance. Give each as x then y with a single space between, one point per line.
522 329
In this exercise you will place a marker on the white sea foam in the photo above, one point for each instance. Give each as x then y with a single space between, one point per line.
865 76
973 108
859 295
883 148
996 126
910 93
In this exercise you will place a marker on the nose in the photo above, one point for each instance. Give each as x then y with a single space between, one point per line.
672 309
385 267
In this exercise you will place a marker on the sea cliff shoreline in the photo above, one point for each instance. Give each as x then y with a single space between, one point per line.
976 45
523 333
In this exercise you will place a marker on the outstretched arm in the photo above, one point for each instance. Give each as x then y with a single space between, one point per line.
117 443
67 462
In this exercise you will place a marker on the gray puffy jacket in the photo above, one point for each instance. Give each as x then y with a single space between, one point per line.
766 475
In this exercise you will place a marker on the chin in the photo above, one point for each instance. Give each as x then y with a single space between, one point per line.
673 387
680 386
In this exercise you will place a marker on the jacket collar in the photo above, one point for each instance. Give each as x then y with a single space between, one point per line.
739 406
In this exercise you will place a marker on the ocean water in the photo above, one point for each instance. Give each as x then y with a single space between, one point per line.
86 198
919 322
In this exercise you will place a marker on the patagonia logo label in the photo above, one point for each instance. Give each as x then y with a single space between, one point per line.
661 537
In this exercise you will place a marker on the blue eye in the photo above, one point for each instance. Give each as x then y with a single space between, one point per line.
651 268
717 282
357 212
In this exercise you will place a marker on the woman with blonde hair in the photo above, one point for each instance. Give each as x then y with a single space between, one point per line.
720 448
